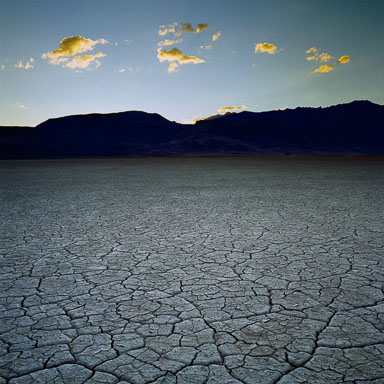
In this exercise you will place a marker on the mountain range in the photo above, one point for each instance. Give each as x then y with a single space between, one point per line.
352 128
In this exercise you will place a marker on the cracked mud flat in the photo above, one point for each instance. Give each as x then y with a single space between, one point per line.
221 270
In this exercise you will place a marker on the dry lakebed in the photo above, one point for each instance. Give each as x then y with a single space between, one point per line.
218 270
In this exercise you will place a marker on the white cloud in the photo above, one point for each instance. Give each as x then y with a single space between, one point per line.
21 106
122 70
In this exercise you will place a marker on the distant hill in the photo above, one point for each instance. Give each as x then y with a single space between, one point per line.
353 128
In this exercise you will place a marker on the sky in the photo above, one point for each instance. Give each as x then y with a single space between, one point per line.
186 59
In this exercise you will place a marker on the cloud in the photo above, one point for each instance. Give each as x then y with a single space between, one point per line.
232 108
27 65
322 57
216 36
266 47
164 30
173 67
127 41
122 70
201 27
196 119
175 57
344 60
2 67
21 106
83 61
311 50
187 27
325 68
205 46
168 42
330 67
223 109
71 46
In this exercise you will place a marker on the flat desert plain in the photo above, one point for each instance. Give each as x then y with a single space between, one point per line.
192 270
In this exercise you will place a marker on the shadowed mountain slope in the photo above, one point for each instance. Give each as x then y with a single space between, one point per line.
353 128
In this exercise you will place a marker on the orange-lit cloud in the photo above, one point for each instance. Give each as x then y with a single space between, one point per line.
196 119
222 109
330 67
173 67
266 47
344 60
187 27
165 29
83 61
175 57
311 50
325 68
322 57
27 65
216 36
232 108
71 46
167 42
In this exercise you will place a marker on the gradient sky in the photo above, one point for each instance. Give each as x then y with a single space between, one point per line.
114 63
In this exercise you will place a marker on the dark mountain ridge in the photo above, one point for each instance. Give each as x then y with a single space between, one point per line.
353 128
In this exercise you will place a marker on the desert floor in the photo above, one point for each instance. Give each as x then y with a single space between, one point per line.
192 270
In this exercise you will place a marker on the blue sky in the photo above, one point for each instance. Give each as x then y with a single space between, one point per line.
110 59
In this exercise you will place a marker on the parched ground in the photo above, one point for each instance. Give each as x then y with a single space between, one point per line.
221 270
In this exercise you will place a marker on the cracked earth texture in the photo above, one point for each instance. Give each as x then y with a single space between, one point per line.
205 270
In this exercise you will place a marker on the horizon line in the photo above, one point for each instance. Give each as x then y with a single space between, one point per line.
202 119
